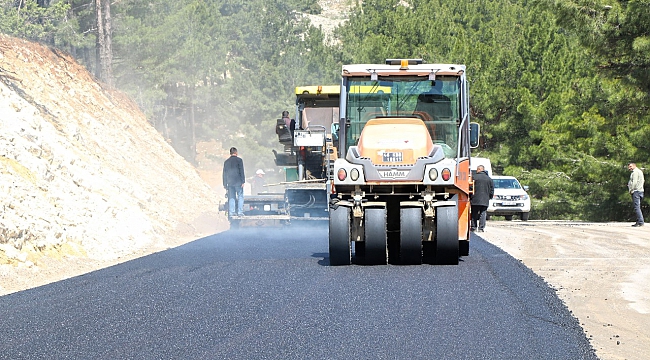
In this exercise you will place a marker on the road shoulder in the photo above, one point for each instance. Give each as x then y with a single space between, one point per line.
600 271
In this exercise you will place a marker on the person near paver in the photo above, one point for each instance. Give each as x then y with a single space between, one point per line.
288 122
635 187
233 182
286 119
258 182
483 192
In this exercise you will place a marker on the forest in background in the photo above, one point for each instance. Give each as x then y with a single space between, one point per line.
561 88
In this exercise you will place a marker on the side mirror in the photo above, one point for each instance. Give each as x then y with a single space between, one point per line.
474 133
526 188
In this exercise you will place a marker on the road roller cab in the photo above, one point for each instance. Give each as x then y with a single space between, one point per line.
401 183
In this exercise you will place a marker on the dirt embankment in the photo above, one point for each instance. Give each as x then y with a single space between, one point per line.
82 172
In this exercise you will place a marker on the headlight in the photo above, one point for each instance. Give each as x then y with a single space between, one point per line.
433 174
354 174
342 174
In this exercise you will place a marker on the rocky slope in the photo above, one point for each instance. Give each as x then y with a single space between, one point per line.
82 173
334 14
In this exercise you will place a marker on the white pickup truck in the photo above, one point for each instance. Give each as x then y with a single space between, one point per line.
510 198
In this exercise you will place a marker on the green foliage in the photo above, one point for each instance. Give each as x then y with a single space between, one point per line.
615 32
219 70
30 21
561 88
547 115
306 6
590 189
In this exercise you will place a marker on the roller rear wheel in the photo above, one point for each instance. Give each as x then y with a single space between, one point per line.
447 235
339 233
410 245
376 249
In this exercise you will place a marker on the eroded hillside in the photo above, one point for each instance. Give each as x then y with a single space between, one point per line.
81 170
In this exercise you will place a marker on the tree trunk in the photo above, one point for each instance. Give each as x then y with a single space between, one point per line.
193 125
103 48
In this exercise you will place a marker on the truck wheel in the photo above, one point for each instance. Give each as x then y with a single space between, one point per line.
524 216
447 235
375 236
339 233
410 243
429 252
463 248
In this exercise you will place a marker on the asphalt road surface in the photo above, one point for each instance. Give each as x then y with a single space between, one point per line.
272 295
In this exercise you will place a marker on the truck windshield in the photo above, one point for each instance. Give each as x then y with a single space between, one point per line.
506 184
437 103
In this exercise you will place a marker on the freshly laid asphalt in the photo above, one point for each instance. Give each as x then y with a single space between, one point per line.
265 294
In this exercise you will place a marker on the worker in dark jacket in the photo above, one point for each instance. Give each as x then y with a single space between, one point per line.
233 182
483 192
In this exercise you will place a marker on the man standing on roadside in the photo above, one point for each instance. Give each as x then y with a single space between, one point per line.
233 182
483 192
635 187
